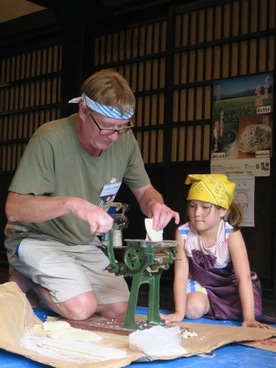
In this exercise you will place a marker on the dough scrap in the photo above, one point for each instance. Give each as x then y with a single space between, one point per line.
186 334
52 319
39 329
55 326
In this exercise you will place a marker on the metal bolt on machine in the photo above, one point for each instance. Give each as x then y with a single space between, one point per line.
144 261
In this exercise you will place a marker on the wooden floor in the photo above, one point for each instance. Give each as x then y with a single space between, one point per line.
166 296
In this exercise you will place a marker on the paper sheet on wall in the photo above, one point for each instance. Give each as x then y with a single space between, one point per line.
245 196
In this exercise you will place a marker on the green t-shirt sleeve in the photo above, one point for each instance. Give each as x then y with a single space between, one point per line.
35 172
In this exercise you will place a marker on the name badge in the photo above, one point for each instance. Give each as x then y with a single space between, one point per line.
108 194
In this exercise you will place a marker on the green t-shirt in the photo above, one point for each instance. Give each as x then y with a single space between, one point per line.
55 164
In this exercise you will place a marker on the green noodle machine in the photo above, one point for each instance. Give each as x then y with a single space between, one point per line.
144 261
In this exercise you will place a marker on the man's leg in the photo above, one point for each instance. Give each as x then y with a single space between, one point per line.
79 307
26 285
71 280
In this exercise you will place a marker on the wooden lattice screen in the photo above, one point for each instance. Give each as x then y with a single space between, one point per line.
232 39
170 65
141 51
29 96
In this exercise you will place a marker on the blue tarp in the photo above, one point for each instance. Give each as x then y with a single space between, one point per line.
228 356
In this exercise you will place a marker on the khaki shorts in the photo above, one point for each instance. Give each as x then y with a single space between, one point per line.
69 270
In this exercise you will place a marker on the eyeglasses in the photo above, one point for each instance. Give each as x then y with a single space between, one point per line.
112 131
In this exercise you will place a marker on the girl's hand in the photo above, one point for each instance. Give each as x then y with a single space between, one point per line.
253 323
174 317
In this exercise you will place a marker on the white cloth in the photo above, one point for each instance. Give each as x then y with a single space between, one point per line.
109 111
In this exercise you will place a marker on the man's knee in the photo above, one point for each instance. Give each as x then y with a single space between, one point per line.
80 307
114 310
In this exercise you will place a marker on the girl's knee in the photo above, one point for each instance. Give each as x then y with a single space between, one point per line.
194 311
196 308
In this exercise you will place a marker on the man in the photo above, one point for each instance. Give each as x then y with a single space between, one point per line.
59 196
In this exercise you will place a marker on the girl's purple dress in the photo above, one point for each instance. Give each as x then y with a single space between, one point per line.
219 278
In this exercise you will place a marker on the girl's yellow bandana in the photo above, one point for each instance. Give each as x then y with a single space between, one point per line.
212 188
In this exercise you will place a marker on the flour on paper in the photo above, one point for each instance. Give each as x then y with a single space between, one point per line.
60 337
94 351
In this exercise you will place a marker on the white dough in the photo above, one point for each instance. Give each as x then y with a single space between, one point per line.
75 334
54 326
63 330
152 235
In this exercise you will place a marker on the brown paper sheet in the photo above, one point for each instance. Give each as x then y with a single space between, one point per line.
17 319
269 345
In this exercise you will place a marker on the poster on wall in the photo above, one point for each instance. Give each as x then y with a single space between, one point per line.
244 195
242 125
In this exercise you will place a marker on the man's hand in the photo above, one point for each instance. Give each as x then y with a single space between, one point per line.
152 205
100 221
162 215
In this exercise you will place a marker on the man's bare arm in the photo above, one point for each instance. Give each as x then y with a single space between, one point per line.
30 208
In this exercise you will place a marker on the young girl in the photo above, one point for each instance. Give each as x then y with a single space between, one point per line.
213 278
